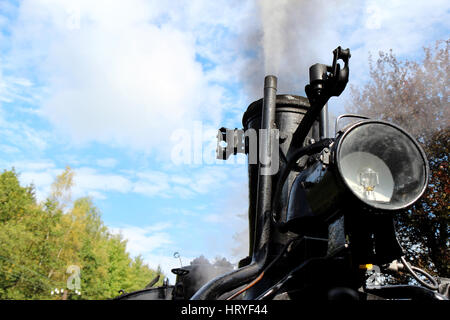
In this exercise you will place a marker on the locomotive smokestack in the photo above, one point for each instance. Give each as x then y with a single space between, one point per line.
265 176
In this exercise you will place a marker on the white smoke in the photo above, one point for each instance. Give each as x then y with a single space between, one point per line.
273 18
285 39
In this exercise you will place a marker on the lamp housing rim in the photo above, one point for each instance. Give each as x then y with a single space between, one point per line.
336 153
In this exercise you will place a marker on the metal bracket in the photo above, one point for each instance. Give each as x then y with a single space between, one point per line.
325 156
348 115
234 143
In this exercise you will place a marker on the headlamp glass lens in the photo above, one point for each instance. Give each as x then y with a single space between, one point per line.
382 165
368 176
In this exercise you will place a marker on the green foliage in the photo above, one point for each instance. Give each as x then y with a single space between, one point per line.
38 243
14 200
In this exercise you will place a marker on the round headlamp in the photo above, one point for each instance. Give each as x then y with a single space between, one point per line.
382 165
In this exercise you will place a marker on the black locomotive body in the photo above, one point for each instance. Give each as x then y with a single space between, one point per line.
321 209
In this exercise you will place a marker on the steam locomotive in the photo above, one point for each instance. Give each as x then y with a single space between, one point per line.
322 209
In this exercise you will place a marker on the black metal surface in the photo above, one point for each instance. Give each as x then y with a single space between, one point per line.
314 198
289 112
197 275
324 122
286 170
325 82
153 282
158 293
264 189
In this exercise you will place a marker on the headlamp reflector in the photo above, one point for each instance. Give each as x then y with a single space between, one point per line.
382 165
368 176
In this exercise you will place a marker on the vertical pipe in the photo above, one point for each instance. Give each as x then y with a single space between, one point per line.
218 286
264 194
323 122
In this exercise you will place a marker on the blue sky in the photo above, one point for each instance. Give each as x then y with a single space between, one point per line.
130 93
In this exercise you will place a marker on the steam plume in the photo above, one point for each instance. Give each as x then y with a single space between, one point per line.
288 37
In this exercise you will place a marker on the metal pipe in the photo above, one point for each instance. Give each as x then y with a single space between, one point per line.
324 122
316 105
220 285
264 195
230 281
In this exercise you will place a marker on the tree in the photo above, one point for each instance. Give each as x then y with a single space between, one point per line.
40 243
14 199
23 226
416 96
62 187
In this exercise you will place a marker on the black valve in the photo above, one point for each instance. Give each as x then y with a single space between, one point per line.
329 80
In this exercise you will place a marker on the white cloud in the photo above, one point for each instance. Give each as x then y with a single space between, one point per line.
404 26
215 218
42 181
129 75
9 149
22 136
374 17
33 166
96 195
401 25
151 183
39 179
145 241
12 88
118 78
142 240
88 179
182 184
107 162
